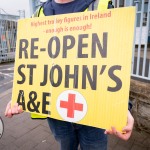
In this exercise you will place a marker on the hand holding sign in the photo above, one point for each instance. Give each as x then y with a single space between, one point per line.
127 130
10 111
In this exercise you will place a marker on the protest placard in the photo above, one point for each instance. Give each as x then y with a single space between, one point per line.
76 67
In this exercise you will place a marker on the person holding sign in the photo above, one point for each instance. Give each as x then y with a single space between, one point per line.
70 135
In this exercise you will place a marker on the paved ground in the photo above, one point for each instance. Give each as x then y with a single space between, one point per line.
22 133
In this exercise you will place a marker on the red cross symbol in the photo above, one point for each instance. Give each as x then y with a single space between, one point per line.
71 106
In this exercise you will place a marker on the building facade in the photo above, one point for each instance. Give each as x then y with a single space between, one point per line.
8 31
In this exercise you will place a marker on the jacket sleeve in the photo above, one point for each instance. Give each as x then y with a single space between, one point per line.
130 105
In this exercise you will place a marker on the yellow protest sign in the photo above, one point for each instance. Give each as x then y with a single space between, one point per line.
76 67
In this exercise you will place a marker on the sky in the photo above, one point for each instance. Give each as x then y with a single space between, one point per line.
12 6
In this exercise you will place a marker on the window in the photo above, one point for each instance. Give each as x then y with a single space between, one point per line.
144 18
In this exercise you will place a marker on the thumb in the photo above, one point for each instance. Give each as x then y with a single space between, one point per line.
20 109
127 129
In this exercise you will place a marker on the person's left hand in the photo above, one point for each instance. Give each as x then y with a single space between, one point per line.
127 130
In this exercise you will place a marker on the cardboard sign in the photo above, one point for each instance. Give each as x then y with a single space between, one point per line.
76 67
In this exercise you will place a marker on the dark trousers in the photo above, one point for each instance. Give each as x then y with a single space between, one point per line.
71 135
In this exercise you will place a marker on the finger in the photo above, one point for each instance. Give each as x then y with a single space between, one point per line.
7 108
15 109
20 110
9 113
130 123
125 136
108 132
114 131
127 129
16 106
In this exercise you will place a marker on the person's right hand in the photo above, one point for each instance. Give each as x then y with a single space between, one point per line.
10 111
